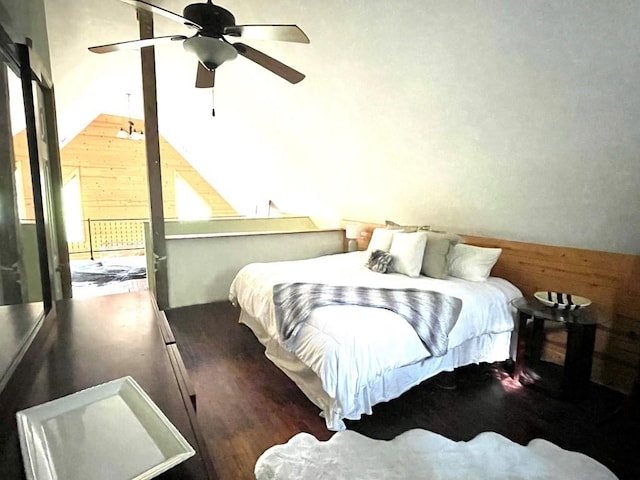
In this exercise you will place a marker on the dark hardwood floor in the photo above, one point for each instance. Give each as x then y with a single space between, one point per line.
246 404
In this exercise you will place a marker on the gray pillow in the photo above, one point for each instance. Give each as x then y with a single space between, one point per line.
434 262
380 261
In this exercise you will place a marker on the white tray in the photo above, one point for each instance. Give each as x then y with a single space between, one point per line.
112 431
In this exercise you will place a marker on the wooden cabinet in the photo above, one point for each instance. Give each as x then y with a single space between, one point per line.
91 342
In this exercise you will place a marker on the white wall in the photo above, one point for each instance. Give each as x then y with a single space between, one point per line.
500 118
26 19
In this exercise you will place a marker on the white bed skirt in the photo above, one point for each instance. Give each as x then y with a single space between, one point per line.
391 384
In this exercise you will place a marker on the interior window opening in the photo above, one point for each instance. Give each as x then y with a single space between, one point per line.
72 201
189 204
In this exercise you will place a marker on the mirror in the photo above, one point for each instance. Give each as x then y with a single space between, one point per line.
30 266
21 300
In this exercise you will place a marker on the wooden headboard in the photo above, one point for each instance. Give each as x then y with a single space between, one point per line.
605 278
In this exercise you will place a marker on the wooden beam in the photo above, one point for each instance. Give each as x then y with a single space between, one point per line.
154 173
36 181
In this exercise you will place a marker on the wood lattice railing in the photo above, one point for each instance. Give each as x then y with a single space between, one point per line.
109 235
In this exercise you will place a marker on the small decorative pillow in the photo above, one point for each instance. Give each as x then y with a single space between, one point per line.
434 263
408 250
472 263
380 240
380 261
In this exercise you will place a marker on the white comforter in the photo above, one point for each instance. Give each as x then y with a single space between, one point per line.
370 340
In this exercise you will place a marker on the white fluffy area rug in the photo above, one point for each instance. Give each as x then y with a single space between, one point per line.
420 454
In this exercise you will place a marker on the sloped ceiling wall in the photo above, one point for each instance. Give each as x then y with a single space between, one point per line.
516 120
112 173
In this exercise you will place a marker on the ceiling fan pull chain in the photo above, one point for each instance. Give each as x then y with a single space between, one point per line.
213 110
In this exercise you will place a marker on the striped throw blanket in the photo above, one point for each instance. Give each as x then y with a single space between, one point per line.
431 314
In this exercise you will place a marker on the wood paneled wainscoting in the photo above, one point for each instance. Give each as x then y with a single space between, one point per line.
605 278
609 280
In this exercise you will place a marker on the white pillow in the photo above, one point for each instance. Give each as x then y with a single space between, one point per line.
380 240
407 250
472 263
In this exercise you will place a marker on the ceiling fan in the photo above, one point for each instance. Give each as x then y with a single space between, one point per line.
213 24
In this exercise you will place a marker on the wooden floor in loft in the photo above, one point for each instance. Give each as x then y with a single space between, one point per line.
246 404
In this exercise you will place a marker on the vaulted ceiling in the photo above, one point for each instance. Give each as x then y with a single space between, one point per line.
256 110
510 119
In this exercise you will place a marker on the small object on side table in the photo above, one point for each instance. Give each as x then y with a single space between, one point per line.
562 301
581 333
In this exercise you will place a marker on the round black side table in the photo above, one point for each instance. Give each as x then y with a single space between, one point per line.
580 325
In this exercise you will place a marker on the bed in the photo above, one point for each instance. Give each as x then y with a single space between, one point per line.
347 358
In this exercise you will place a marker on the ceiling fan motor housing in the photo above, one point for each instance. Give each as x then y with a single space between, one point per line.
212 18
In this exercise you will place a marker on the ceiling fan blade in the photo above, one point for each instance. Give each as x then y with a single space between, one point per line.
269 63
205 78
283 33
133 44
161 11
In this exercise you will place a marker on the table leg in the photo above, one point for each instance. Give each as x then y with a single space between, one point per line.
578 360
537 340
522 345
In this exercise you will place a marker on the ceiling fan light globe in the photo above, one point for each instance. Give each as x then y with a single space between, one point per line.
211 52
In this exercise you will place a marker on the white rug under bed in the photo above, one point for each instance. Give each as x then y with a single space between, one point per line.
420 454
